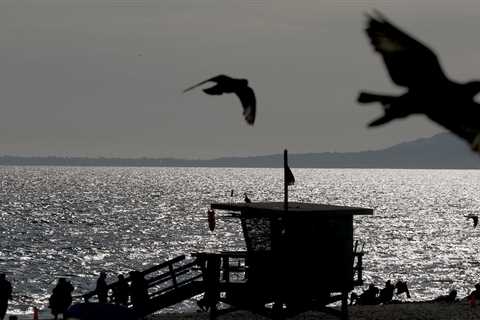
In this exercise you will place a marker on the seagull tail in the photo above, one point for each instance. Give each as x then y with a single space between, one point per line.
366 97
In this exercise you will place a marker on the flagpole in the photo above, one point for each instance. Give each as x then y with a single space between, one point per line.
285 182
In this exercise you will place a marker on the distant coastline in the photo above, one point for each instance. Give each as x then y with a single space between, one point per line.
442 151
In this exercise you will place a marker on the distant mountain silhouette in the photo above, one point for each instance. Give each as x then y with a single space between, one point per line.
442 151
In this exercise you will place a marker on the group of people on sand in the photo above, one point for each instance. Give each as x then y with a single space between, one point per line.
373 295
61 297
122 290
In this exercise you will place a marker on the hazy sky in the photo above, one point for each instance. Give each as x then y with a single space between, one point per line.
104 77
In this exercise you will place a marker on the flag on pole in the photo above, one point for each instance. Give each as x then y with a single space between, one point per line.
290 179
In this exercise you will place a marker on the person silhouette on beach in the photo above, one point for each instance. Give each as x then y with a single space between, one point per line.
121 291
369 296
386 294
402 287
5 295
474 295
101 288
61 297
450 298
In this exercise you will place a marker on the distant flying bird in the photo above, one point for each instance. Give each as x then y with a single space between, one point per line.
247 199
474 218
414 66
225 84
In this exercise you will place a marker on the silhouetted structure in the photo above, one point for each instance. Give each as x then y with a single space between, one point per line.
5 295
166 284
414 66
121 291
225 84
246 199
297 260
101 288
61 297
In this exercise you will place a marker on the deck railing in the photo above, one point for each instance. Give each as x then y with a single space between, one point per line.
160 279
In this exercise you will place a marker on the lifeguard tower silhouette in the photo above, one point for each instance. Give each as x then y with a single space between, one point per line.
300 256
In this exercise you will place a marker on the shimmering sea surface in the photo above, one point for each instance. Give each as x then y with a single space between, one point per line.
74 222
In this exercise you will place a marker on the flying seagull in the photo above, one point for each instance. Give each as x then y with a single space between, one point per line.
414 66
474 218
225 84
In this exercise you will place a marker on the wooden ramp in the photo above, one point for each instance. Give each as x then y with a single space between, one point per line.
167 284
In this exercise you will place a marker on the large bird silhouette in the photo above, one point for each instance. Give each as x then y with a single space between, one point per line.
414 66
226 84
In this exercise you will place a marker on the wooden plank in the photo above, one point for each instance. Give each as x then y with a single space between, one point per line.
167 276
180 285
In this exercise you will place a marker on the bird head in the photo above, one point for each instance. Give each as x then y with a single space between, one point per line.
473 88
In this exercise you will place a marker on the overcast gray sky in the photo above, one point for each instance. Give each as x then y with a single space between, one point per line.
104 77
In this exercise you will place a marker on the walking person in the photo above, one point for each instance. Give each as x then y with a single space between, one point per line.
5 295
102 289
61 297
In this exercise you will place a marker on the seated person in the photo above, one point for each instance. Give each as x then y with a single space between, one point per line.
386 294
402 288
451 297
369 296
474 295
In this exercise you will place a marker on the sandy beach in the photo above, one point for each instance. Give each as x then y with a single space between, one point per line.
404 311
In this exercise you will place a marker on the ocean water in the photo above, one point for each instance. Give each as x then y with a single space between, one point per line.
74 222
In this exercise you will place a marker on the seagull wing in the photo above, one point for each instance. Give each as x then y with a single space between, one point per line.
249 103
216 79
409 62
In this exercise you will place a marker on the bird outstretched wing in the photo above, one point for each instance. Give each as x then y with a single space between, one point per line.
217 79
409 62
249 103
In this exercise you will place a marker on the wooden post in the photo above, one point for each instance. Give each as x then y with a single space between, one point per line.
173 275
344 307
213 277
226 268
285 182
